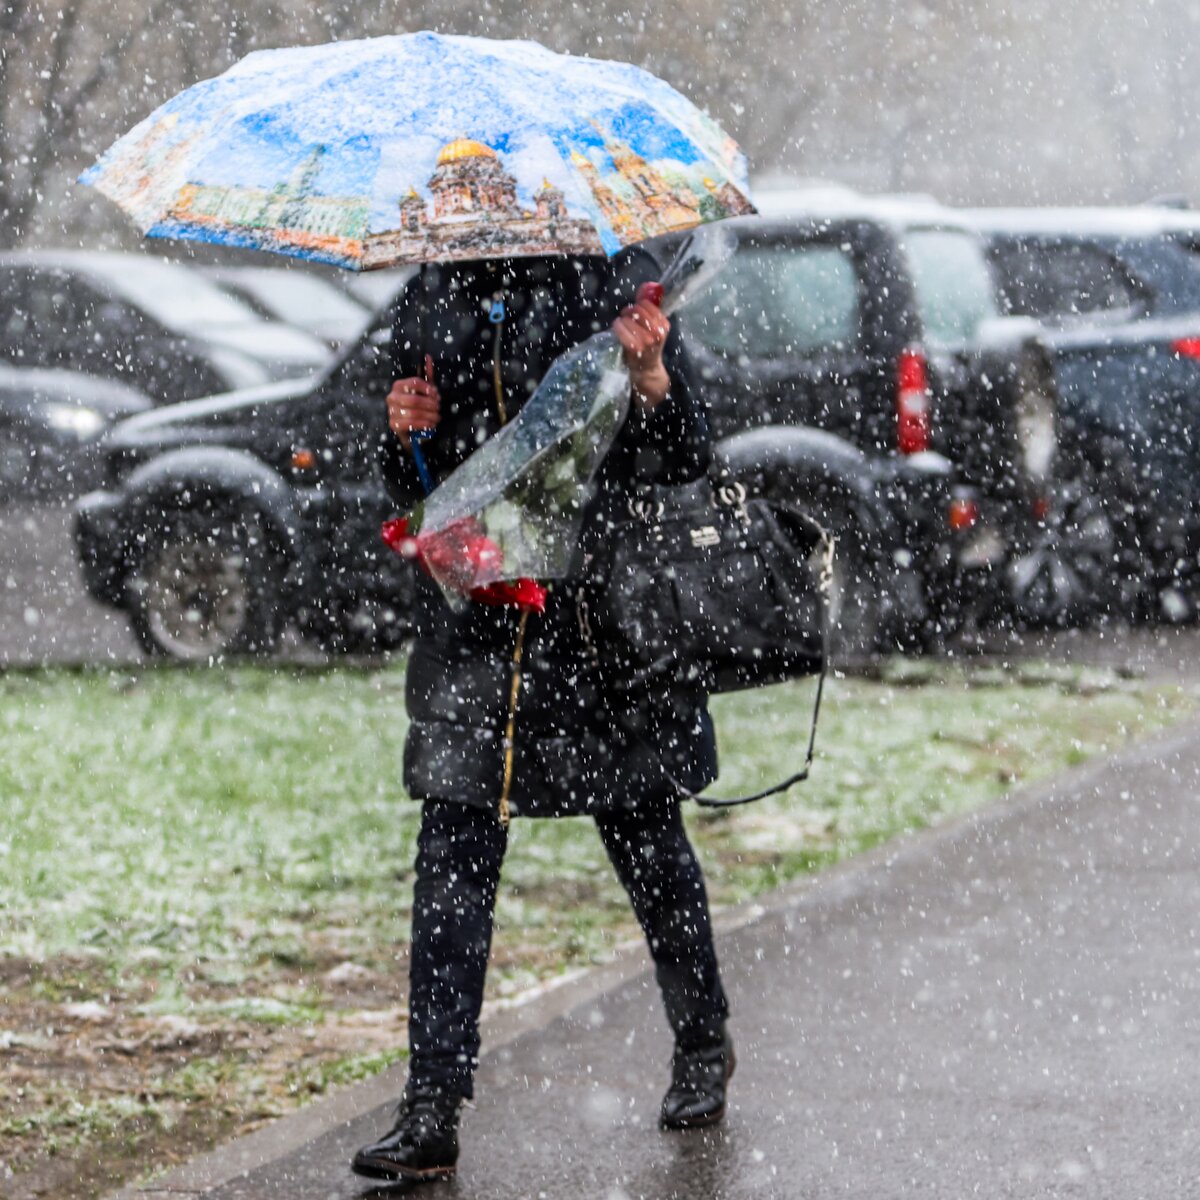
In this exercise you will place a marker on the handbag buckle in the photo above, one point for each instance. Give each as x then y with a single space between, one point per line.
646 509
733 495
706 535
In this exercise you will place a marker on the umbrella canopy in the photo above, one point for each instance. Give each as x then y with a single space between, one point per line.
424 148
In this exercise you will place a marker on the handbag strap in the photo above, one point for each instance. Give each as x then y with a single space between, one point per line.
800 776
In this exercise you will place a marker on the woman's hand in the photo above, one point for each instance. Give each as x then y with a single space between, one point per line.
414 404
642 330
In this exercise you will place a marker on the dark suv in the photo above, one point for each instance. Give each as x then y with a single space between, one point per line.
850 326
1117 292
221 520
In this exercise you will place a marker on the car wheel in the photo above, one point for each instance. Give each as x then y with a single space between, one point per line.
1135 587
1067 572
206 587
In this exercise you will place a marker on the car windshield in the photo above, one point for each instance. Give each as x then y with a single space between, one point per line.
178 297
953 285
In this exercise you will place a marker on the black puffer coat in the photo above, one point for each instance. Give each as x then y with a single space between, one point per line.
570 755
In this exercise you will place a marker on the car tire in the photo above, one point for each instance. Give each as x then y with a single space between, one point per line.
1137 586
206 586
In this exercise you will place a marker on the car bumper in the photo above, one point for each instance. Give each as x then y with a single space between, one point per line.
100 541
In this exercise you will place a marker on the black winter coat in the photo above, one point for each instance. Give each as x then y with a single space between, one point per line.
571 756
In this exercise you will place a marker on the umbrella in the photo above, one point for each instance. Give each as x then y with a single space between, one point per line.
424 148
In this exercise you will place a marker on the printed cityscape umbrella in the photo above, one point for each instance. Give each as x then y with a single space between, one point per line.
424 148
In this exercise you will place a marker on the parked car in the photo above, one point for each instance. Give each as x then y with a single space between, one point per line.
297 298
874 322
158 326
221 520
1117 292
49 425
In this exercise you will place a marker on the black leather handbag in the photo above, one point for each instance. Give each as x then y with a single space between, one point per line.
702 589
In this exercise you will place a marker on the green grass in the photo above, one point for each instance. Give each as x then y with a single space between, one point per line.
353 1068
227 829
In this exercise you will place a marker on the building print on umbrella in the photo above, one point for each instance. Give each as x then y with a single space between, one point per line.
293 212
146 177
638 200
475 212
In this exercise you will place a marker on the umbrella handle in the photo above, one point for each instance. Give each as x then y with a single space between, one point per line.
417 436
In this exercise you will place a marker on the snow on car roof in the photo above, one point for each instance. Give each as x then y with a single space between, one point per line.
174 292
1144 220
834 200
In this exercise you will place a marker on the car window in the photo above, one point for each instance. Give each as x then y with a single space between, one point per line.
952 282
1190 245
1063 279
780 300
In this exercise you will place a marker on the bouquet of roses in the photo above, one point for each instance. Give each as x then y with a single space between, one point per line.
511 514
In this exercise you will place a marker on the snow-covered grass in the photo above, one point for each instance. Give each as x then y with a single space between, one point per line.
218 831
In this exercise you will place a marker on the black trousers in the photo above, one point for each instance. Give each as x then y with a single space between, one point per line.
459 853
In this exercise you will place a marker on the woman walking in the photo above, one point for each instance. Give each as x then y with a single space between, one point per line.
491 329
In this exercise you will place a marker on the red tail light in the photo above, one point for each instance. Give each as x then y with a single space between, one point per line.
1188 347
914 404
964 512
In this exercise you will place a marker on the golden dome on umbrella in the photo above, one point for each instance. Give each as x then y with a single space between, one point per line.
462 148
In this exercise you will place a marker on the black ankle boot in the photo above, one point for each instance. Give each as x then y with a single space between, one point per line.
696 1096
423 1143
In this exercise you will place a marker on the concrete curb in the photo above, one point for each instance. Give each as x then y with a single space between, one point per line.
502 1026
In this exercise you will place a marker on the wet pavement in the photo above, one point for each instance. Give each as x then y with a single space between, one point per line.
1006 1007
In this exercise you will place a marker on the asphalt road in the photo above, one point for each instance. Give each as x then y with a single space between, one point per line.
45 615
1007 1007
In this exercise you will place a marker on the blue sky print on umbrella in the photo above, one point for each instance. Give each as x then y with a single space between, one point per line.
345 154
